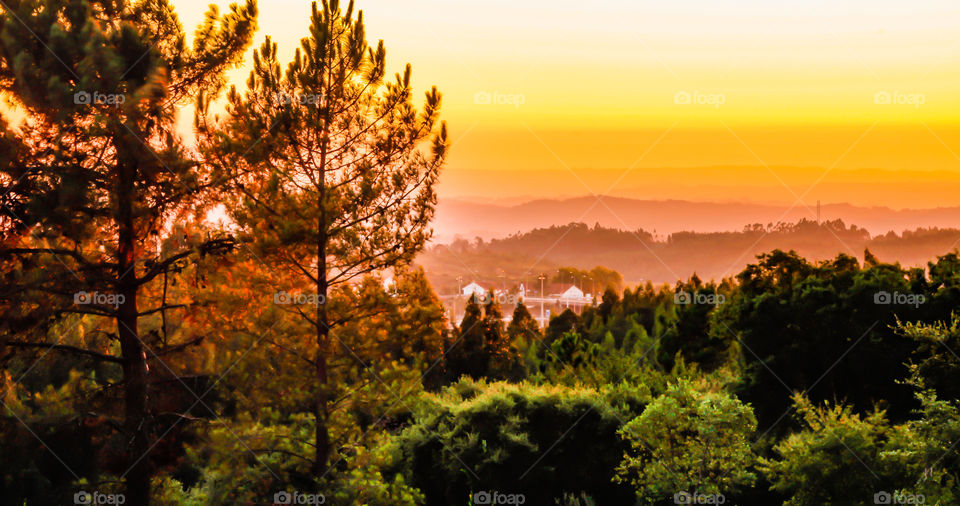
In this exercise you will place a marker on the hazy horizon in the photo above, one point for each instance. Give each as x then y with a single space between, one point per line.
772 186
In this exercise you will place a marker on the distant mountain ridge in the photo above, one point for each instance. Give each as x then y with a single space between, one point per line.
470 219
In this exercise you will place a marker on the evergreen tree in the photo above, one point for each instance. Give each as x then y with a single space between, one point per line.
523 327
688 334
335 169
564 322
608 303
467 355
95 175
504 361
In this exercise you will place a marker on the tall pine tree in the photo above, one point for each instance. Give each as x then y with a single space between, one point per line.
97 172
335 168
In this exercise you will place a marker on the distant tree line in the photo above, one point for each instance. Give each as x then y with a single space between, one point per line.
641 256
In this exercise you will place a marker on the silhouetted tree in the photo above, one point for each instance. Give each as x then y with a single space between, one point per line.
97 172
608 302
505 361
564 322
523 325
467 355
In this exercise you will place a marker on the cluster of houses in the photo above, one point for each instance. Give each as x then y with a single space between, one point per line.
567 297
571 296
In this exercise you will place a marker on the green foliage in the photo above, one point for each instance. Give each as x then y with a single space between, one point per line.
571 350
922 453
519 438
690 439
844 458
466 355
937 366
391 353
837 459
45 429
249 460
370 479
688 334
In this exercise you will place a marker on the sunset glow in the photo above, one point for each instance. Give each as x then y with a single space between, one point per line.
555 86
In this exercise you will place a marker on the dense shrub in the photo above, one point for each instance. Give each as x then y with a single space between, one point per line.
540 441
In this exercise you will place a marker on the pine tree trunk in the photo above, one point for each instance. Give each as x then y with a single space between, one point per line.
322 435
134 357
135 403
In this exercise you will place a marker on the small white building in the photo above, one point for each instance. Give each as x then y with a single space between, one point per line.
573 294
474 289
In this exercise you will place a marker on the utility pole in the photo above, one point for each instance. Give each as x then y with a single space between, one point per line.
456 296
542 296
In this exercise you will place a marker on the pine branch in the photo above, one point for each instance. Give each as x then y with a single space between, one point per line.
68 349
213 246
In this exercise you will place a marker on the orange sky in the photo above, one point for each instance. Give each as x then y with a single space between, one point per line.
583 90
